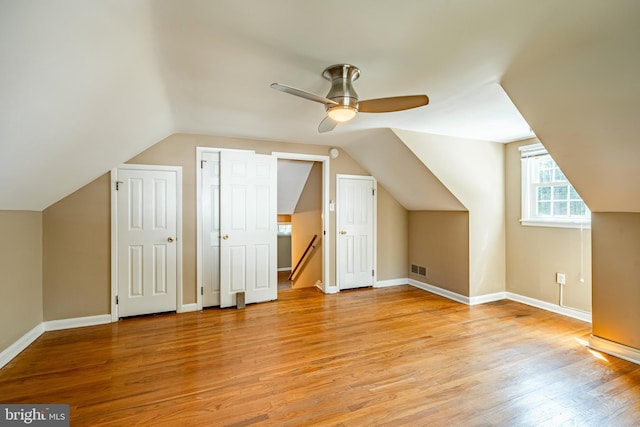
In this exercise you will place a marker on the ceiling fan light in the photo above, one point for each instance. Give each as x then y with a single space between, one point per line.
342 113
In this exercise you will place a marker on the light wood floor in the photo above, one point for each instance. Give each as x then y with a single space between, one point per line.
391 356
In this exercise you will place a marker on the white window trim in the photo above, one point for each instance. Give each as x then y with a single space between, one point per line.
556 223
527 198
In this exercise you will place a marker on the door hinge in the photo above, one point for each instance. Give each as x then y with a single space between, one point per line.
202 290
117 301
118 185
373 273
202 162
373 191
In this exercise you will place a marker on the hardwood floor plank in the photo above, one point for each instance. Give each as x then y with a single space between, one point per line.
391 356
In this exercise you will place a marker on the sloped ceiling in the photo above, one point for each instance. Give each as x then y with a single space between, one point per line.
86 85
404 175
582 97
292 176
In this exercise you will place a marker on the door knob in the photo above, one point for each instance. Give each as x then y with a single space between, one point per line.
343 232
225 237
170 239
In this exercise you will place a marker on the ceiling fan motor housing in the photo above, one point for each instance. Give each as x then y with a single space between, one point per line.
341 76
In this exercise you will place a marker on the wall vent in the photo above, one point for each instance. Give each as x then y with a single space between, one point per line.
419 270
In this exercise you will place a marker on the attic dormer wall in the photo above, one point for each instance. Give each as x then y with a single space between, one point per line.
473 171
582 104
77 248
536 254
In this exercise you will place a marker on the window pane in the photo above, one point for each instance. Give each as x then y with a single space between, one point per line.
544 193
577 209
559 175
554 198
284 229
546 162
560 208
560 193
544 208
544 175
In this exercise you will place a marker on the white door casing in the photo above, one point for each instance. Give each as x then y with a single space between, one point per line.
355 231
248 227
210 211
146 240
325 286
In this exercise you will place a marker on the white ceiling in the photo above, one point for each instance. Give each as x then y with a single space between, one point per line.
86 85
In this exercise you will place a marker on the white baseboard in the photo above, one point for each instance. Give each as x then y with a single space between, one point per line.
52 325
330 290
615 349
439 291
189 307
569 312
77 322
23 342
391 282
483 299
284 269
610 347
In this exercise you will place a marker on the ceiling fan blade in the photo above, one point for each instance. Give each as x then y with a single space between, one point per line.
327 125
303 94
396 103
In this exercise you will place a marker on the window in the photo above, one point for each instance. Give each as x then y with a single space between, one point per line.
284 229
548 198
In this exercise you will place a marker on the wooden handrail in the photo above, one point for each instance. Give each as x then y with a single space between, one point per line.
309 246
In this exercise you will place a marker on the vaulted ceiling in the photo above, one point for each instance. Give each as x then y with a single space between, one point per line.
86 85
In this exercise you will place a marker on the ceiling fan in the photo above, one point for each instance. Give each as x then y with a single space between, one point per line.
342 102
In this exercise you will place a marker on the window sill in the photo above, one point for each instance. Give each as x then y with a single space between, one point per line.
555 224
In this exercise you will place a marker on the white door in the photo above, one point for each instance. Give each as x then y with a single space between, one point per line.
248 227
355 213
210 208
147 247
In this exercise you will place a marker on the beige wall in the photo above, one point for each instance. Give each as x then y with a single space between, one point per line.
77 237
393 237
77 245
439 241
616 277
536 254
21 278
284 252
180 150
305 222
473 171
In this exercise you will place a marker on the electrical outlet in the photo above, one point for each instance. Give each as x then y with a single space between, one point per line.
560 279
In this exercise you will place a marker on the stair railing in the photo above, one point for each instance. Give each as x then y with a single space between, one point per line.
306 251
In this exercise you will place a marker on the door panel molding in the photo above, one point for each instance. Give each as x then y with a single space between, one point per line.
326 285
356 253
159 217
248 223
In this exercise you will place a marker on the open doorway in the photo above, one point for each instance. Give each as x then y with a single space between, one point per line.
300 224
284 252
